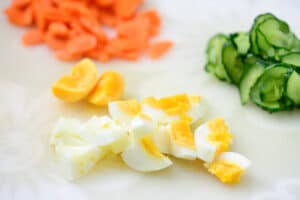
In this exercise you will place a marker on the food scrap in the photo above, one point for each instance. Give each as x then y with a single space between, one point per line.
145 135
263 63
84 83
77 29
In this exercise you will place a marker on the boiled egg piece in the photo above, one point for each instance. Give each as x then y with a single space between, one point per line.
67 131
161 139
104 132
211 139
229 167
123 112
182 140
142 125
167 109
76 161
198 108
143 155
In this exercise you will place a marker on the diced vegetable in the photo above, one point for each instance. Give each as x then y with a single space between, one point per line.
264 63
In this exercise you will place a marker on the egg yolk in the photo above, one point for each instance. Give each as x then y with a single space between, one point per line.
181 134
148 144
219 135
110 87
105 125
174 105
226 171
78 85
130 107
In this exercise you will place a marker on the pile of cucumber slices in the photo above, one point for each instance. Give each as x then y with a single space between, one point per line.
264 63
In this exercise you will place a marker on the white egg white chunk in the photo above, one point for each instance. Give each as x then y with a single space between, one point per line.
141 126
205 150
76 161
157 114
124 112
236 158
198 109
161 139
208 150
102 131
67 131
143 155
182 140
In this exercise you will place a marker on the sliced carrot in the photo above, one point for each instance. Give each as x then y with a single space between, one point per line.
33 37
81 44
158 49
58 29
21 3
126 8
104 3
54 42
76 28
64 55
94 29
20 17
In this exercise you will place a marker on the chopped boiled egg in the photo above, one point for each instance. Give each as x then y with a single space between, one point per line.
211 139
124 111
229 167
78 84
172 108
143 155
67 131
142 125
76 161
182 140
110 87
104 132
161 139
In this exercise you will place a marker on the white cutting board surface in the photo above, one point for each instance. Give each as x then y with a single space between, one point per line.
28 111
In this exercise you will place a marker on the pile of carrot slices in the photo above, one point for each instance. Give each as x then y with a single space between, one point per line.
74 29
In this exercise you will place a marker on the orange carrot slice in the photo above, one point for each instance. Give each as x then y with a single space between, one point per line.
126 8
58 29
158 49
81 44
33 37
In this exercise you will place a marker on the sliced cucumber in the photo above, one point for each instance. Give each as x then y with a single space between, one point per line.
293 88
214 54
268 91
277 33
241 42
248 79
257 21
292 59
232 62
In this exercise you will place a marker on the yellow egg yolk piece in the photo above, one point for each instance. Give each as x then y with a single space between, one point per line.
174 105
148 144
78 85
130 107
181 134
227 172
110 87
219 135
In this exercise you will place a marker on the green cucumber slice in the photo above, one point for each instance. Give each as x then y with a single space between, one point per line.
214 54
257 21
292 59
232 62
241 42
293 88
248 79
268 91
